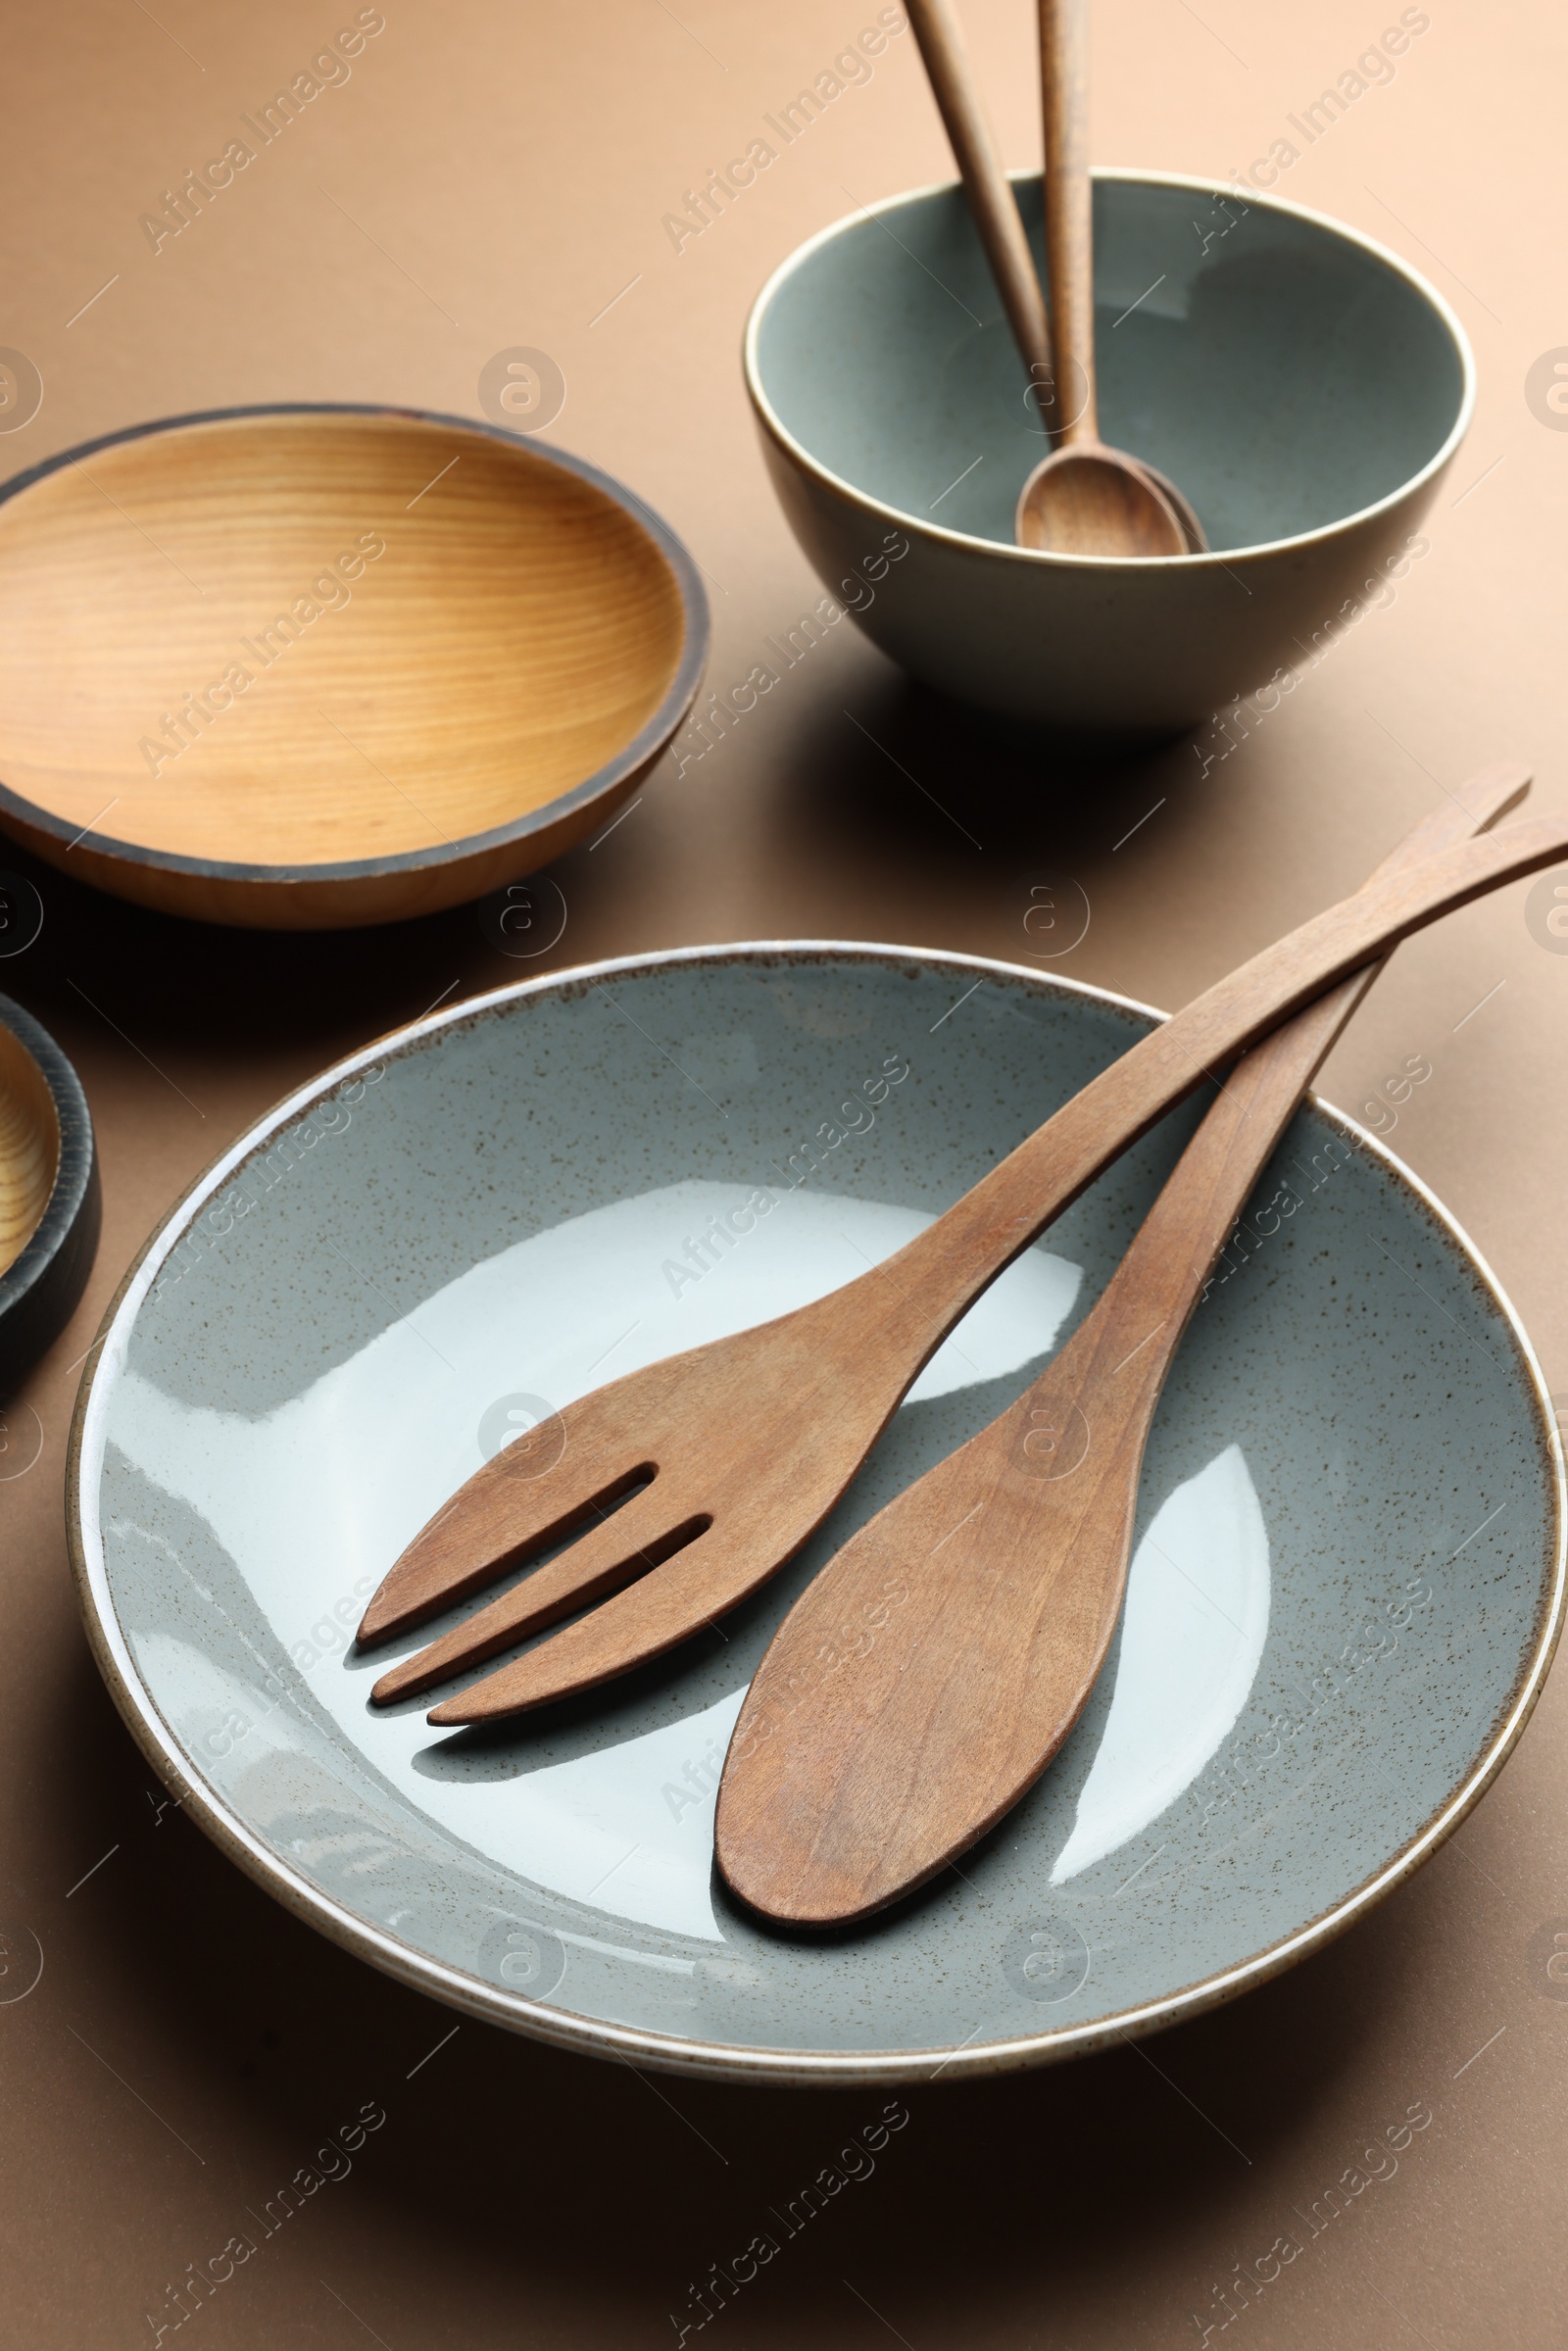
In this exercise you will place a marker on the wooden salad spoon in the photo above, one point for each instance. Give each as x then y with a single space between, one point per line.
1085 498
1001 229
728 1457
927 1675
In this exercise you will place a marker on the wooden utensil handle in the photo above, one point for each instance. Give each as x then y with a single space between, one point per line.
845 1791
920 1292
1069 219
986 184
1161 1278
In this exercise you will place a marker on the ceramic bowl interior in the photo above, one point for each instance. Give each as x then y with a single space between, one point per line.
1348 1572
309 640
1282 371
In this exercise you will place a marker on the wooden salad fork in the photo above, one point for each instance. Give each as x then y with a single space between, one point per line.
726 1458
926 1676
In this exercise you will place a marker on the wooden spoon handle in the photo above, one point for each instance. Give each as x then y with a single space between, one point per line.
986 184
1069 219
1162 1276
928 1675
922 1290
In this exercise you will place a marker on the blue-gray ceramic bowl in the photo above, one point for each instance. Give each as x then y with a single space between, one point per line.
1300 384
1346 1585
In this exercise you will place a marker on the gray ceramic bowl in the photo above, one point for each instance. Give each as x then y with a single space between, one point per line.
1345 1592
1300 384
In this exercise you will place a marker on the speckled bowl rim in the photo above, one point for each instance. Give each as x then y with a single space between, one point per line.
634 755
801 457
593 2035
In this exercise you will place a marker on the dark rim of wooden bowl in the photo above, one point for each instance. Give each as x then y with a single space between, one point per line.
643 748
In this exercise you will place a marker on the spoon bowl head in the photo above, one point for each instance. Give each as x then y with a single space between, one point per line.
1088 500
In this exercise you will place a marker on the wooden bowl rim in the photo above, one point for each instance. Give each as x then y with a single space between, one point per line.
75 1180
637 753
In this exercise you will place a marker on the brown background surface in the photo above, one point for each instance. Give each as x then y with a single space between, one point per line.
506 170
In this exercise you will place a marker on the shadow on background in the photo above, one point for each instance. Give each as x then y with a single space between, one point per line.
509 2172
100 963
901 765
937 793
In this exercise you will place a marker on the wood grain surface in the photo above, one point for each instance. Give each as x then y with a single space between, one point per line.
297 642
1086 497
30 1146
728 1500
843 1792
1069 211
995 210
189 2045
960 101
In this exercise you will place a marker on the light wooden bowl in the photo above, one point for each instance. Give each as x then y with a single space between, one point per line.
306 667
49 1192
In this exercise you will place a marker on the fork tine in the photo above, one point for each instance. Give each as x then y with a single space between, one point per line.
658 1613
609 1556
497 1518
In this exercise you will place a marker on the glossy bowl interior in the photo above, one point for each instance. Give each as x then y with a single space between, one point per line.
329 661
1302 386
1285 373
1347 1586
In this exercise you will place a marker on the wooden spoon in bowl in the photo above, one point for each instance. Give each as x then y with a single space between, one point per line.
1002 232
1085 498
